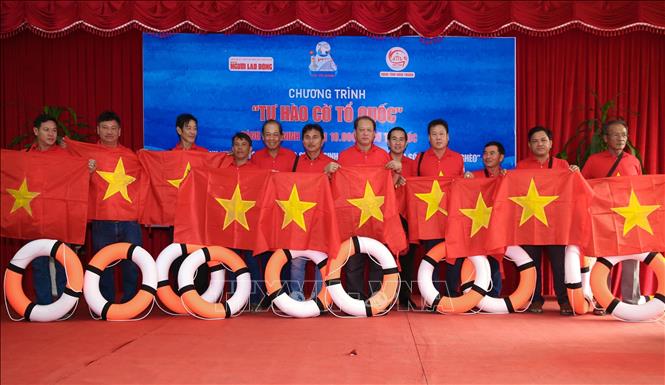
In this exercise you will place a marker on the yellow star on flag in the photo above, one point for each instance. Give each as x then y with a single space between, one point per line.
635 214
176 182
369 205
118 181
441 173
433 199
22 197
236 208
533 204
480 215
294 209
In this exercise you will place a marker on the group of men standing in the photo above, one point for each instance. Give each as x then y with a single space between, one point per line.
438 160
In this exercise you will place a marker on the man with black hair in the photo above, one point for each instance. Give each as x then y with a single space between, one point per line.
186 126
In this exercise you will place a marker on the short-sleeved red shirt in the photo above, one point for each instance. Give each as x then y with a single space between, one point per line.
598 165
54 149
450 164
352 156
282 162
305 164
178 147
484 174
531 163
408 167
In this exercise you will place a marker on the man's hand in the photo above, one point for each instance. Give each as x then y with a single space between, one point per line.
468 174
394 165
331 168
574 168
92 165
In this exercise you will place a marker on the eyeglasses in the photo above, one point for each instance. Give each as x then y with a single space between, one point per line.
618 136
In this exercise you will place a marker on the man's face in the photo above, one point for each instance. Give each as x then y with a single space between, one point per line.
492 157
312 141
188 132
397 142
540 144
364 133
46 133
109 132
616 137
438 137
271 136
241 149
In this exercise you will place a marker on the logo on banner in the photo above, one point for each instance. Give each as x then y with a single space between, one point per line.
321 63
397 60
251 64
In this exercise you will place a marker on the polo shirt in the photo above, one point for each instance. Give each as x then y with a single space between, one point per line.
282 162
316 165
598 165
531 163
178 147
450 164
352 156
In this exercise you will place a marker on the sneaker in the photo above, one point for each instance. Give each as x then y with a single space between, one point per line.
535 307
565 309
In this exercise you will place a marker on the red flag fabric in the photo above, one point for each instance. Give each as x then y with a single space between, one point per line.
541 207
219 207
427 207
627 215
366 205
44 195
115 184
297 212
165 172
468 230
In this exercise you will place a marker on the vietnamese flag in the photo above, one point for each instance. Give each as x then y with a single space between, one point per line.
165 172
627 215
115 183
541 207
297 212
427 206
366 205
470 206
219 207
44 195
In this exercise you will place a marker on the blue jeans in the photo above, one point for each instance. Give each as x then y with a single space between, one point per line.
297 281
496 277
105 233
42 279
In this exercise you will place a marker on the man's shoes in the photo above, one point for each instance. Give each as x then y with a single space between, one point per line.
598 311
565 309
535 307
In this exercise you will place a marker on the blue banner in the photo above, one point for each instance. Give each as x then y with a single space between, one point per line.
235 82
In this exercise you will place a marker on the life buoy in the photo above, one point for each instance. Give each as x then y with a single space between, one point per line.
276 294
579 302
198 306
381 300
164 291
442 304
522 295
106 256
21 304
627 312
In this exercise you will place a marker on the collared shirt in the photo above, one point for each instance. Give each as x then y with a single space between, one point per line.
353 156
54 149
194 147
450 164
282 162
531 163
232 164
408 167
305 164
598 165
484 173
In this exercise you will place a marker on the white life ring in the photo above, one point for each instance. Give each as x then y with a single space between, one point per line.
276 294
577 295
145 296
13 283
164 291
381 301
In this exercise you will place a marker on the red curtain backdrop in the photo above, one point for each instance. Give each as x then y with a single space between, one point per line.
558 66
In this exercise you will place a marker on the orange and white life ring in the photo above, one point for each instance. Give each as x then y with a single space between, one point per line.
442 304
29 310
624 311
105 257
279 297
381 301
165 293
577 296
198 306
520 298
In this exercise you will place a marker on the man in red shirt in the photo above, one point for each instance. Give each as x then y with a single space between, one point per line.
186 126
439 160
540 143
363 152
610 163
273 156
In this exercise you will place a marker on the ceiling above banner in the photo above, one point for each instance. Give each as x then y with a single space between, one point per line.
428 19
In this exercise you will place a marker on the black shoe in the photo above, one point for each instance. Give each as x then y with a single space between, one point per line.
535 307
565 309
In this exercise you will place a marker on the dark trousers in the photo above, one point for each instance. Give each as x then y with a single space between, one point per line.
495 270
453 271
406 274
556 255
42 279
256 265
355 276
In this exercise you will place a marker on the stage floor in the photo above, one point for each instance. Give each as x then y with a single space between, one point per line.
400 348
